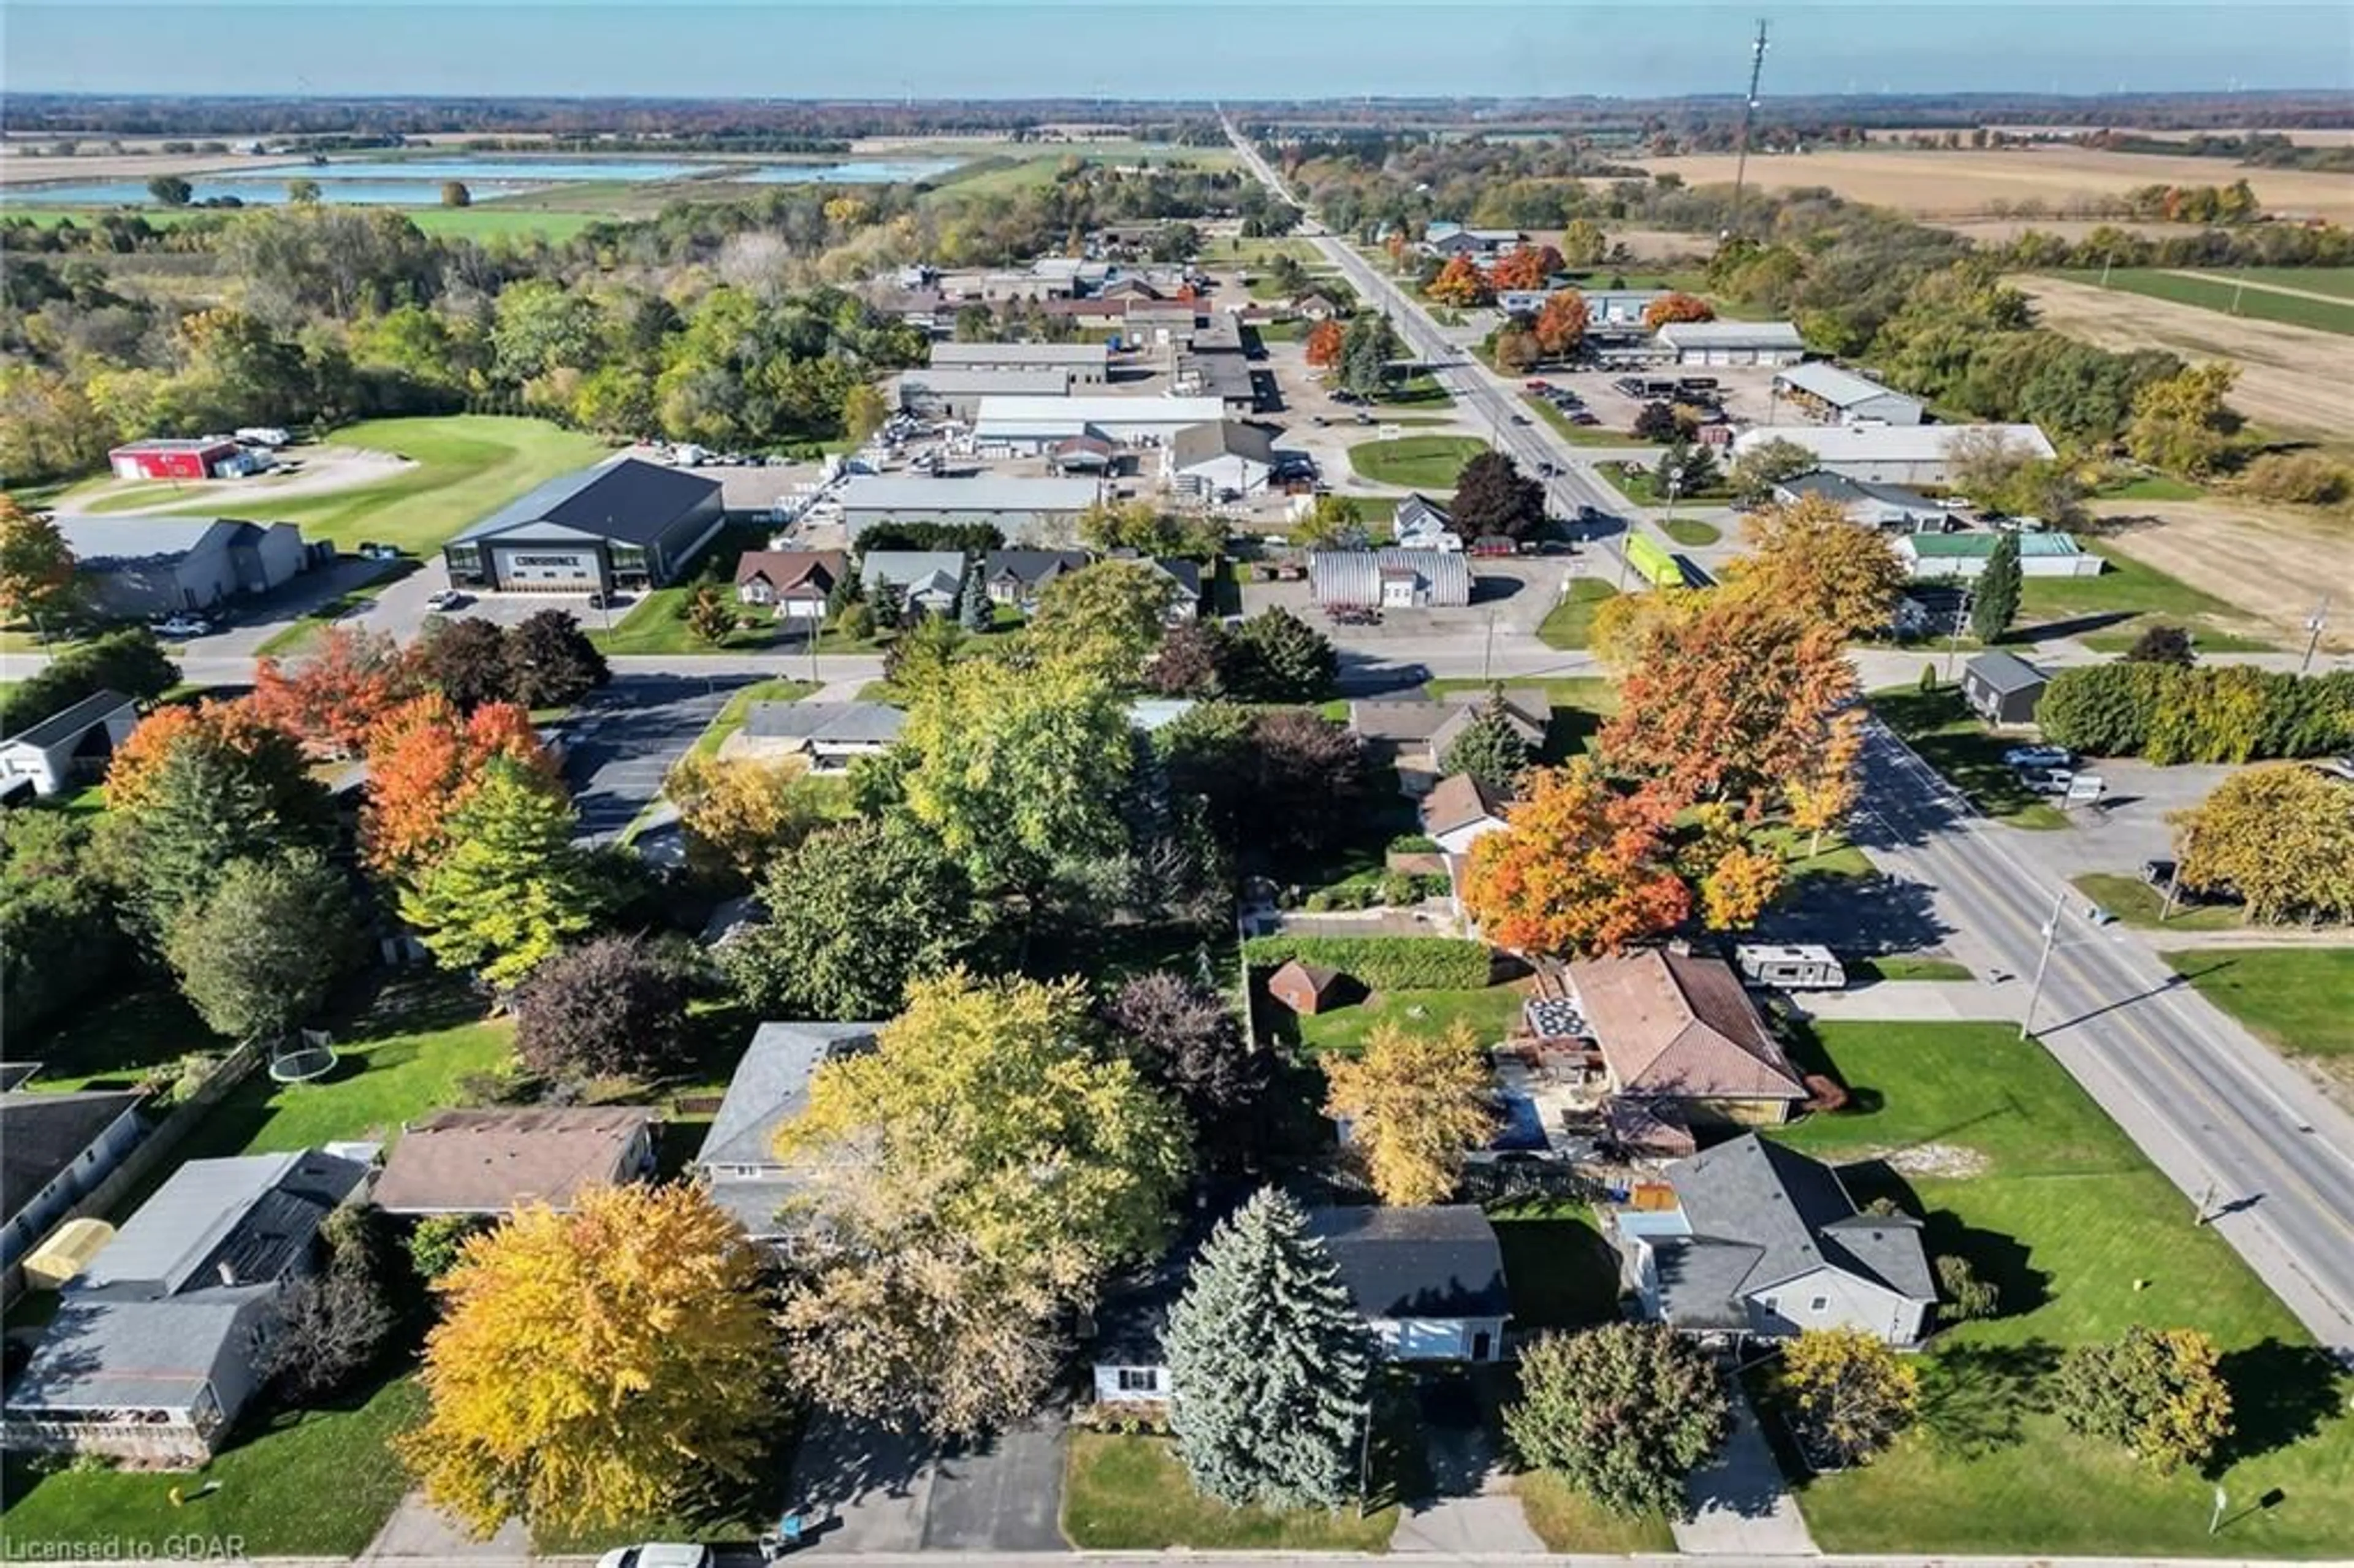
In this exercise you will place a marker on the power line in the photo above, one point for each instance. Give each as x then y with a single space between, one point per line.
1748 116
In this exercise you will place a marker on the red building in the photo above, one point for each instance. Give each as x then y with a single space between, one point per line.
168 458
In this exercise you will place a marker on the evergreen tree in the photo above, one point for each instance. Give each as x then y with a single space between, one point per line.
1269 1366
973 608
1998 592
889 603
1490 749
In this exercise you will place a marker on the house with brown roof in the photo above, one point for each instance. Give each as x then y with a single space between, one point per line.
1459 811
796 582
1673 1026
1306 989
487 1161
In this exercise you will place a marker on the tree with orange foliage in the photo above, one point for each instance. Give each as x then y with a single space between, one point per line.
1324 345
1743 883
335 698
1580 869
1561 324
1526 267
1396 244
1676 307
1460 283
425 759
232 726
1726 703
1809 557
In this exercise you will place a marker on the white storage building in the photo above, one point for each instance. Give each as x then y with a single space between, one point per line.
1732 342
1843 397
955 394
1887 454
1025 511
1032 425
1087 364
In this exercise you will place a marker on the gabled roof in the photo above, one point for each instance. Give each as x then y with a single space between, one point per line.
624 499
1839 388
101 541
784 570
916 571
1441 1261
1033 569
219 1223
42 1134
1318 979
487 1161
1527 713
1847 492
1671 1023
1459 801
2005 673
1198 444
1420 514
1730 334
771 1085
59 727
844 723
103 1354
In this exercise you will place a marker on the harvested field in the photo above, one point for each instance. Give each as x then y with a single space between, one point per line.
1967 184
2237 293
2292 379
2273 562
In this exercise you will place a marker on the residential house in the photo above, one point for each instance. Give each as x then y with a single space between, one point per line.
930 580
1185 575
1929 556
1306 989
1752 1240
156 1347
1675 1026
831 735
796 584
55 1148
1082 364
134 565
1890 508
1389 580
1459 812
1889 454
493 1161
1412 733
2002 688
68 748
739 1160
1030 511
625 523
1421 523
1731 343
1226 460
1318 306
1017 578
1843 397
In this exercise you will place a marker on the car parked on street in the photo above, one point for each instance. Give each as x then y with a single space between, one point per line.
2037 757
179 626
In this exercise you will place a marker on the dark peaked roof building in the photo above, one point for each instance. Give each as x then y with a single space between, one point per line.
626 522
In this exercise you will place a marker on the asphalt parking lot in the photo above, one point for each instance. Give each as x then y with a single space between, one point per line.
619 743
2129 825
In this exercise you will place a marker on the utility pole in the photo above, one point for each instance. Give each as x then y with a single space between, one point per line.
2174 878
2042 962
1748 117
2313 625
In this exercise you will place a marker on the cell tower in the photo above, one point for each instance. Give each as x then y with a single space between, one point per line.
1748 116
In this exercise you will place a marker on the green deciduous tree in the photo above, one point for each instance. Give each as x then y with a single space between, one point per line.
1756 472
2160 1392
1853 1394
1105 619
1276 657
1269 1365
1995 602
510 888
170 190
58 937
1623 1413
257 954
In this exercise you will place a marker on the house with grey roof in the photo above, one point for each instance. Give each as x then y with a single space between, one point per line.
1752 1240
156 1347
1891 508
133 564
739 1160
68 748
624 523
831 735
55 1148
928 579
1017 578
1421 523
1389 580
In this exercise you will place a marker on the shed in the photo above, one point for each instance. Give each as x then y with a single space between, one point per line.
1389 580
2002 688
66 748
1843 397
1306 989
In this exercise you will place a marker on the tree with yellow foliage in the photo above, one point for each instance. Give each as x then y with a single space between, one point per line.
1416 1103
1853 1394
1821 797
1740 887
741 813
1809 558
595 1368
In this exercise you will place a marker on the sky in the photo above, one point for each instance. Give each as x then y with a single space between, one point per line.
1230 49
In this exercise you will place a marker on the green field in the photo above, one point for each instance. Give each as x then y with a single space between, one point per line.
2124 601
1570 623
2219 291
498 218
466 466
2051 1201
2299 999
1416 462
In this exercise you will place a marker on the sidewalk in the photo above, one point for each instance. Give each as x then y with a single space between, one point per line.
1927 1001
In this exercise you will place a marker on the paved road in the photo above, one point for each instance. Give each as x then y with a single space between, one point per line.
620 744
2210 1104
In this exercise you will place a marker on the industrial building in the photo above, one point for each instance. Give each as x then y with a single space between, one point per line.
1934 555
1032 425
1888 454
1731 343
955 394
1389 580
1840 397
1025 511
1888 507
626 522
1228 460
133 564
1087 364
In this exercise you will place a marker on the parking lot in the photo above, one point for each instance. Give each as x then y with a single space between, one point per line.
2128 825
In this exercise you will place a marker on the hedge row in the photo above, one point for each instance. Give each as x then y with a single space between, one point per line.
1383 963
2170 714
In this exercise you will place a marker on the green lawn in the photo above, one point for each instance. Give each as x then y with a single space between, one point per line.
2299 999
2150 487
1422 391
1416 462
2124 600
1567 1523
1570 623
497 219
1903 967
467 466
1950 738
2137 903
110 1042
739 707
2050 1201
1801 859
1642 487
2217 290
1129 1493
1491 1013
318 1485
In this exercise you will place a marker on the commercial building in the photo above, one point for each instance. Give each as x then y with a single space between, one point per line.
1731 343
204 457
1025 510
955 394
626 522
1843 397
137 566
1888 507
1032 425
1889 454
1931 555
1087 364
1389 580
1227 459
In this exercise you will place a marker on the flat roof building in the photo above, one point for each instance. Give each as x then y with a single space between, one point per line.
1036 424
956 393
1966 555
1087 364
1888 454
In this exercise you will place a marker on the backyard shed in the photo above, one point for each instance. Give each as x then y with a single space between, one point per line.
1306 989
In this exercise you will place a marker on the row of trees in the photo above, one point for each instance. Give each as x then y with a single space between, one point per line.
2171 712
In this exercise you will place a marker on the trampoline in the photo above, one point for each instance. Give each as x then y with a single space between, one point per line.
313 1058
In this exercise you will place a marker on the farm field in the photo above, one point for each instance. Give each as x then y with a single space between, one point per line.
2107 613
2273 562
2242 294
2290 378
1969 183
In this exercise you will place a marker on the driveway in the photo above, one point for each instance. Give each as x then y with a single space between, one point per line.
873 1490
2129 825
1471 1510
619 743
1740 1506
255 621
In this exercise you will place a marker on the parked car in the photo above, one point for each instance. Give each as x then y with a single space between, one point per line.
657 1555
2158 873
184 625
444 598
2037 757
1539 384
1583 418
2047 782
369 549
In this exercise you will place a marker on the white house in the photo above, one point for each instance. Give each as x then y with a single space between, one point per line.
1459 812
1753 1240
1033 425
1888 454
1421 523
739 1162
1843 397
68 748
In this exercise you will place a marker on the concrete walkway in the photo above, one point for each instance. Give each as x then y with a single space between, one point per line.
1927 1001
1740 1506
419 1531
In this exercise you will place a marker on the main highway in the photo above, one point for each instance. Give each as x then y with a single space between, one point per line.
2258 1150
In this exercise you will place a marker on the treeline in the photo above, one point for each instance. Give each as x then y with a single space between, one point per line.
708 142
2263 149
2258 245
2169 713
1361 183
